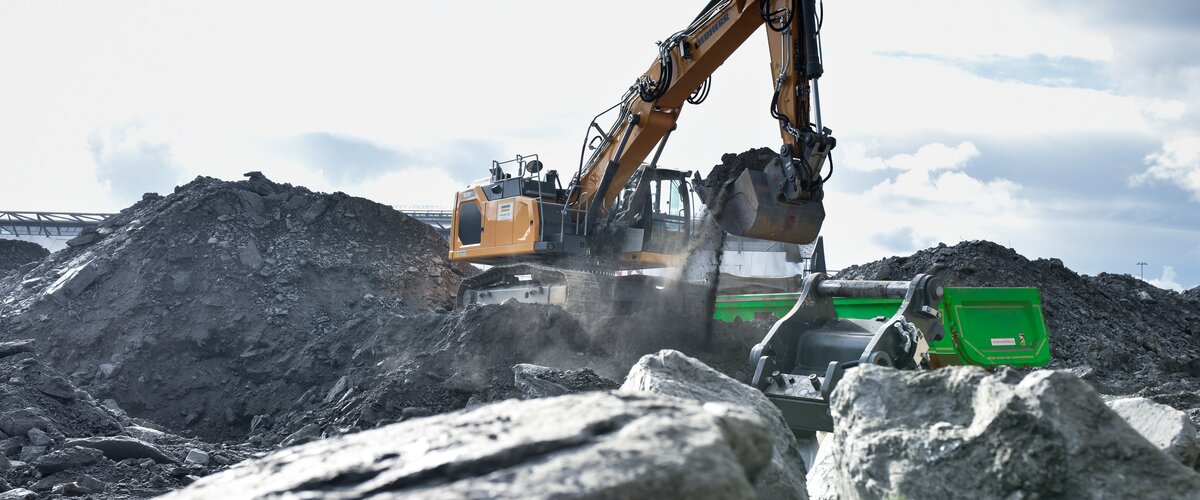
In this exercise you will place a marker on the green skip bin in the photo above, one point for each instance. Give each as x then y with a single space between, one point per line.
984 326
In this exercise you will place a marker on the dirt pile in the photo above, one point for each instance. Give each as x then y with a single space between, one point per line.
439 362
264 312
1122 335
732 165
57 438
219 302
16 253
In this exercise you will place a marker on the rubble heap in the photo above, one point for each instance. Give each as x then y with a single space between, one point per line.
17 253
649 440
213 304
1120 334
440 362
55 438
261 311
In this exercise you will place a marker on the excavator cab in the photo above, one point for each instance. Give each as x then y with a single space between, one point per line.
656 207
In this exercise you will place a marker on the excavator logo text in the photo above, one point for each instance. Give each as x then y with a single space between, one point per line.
712 30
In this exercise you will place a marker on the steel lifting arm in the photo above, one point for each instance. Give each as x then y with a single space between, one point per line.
802 358
686 61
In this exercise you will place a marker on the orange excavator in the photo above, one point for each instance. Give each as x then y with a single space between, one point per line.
547 241
619 210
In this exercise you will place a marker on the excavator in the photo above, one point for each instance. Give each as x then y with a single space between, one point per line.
557 244
549 240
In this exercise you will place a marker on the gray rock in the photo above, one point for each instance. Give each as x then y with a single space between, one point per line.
197 457
1165 427
92 484
314 211
18 422
18 494
597 445
672 373
534 381
336 390
415 412
4 463
31 453
86 237
122 447
54 384
249 256
113 405
252 202
260 422
71 489
305 434
145 434
821 470
38 437
67 458
15 346
181 281
77 279
10 446
961 431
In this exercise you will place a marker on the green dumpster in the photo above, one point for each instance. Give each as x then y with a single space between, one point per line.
984 326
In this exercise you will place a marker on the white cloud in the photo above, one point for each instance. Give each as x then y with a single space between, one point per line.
929 157
933 174
1168 280
929 196
1178 162
131 160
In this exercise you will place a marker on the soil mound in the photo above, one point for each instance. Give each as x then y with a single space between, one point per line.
1121 334
439 362
235 309
218 302
16 253
53 434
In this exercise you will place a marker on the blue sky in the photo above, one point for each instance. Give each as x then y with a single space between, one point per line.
1063 128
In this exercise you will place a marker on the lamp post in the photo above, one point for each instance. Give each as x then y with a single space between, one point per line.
1142 269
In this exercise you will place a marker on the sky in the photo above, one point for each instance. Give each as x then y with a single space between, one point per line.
1061 128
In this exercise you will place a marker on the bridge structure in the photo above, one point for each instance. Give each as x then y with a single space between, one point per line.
48 224
70 224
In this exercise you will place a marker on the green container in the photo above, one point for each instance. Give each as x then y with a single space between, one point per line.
984 326
995 326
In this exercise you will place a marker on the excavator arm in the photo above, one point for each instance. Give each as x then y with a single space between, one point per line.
781 201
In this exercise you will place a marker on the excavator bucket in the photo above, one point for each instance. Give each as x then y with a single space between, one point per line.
749 205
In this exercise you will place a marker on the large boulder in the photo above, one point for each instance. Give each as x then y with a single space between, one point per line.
1167 428
672 373
963 431
598 445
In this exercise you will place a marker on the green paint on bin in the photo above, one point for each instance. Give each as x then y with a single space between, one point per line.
984 326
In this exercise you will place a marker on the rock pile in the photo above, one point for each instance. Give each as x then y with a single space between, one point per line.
439 362
1121 334
17 253
57 439
216 303
719 439
228 310
679 429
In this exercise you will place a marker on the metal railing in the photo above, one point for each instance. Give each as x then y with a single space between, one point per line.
49 224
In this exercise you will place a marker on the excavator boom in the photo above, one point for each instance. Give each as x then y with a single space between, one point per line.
531 216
